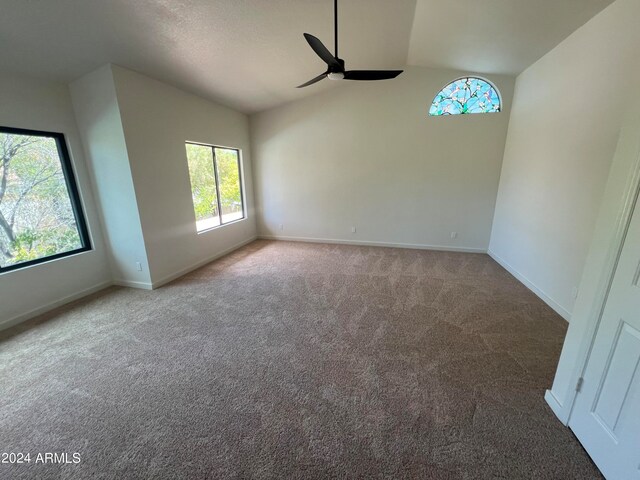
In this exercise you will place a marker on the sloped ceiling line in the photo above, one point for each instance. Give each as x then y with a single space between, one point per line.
250 54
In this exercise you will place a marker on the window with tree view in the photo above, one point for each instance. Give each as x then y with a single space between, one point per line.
466 95
216 185
40 213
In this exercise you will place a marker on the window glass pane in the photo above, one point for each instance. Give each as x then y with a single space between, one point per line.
228 163
37 219
203 186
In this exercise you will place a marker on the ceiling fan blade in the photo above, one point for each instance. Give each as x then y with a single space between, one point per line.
371 74
322 51
313 80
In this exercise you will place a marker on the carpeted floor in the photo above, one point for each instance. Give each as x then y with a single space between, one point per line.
293 360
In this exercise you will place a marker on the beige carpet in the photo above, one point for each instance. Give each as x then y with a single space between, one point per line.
293 360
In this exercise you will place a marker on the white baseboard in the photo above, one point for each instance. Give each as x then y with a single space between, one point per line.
200 263
131 284
559 309
365 243
23 317
556 406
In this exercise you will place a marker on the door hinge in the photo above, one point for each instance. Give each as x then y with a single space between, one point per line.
579 384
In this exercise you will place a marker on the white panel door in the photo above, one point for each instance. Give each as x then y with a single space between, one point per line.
606 415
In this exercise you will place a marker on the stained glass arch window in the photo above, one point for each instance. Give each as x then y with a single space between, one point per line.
466 95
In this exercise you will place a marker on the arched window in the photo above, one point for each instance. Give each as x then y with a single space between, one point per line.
466 95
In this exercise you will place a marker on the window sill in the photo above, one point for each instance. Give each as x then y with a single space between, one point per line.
211 229
38 263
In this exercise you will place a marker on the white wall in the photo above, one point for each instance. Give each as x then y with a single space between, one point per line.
367 155
98 115
157 120
39 105
567 111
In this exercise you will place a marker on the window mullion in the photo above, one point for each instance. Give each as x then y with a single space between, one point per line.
215 174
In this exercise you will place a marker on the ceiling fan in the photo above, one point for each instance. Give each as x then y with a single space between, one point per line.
335 65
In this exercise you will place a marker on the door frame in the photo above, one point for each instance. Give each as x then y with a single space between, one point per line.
620 198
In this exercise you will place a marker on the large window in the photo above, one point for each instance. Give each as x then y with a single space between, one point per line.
216 185
40 213
466 95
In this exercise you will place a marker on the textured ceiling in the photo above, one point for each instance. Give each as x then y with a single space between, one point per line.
493 36
250 54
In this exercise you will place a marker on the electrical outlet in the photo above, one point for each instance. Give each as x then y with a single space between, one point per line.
353 229
138 266
454 235
281 226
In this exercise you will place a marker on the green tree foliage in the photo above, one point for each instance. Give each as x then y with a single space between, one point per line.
203 180
36 216
228 170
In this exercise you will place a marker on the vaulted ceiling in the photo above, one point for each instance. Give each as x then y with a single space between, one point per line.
493 36
250 54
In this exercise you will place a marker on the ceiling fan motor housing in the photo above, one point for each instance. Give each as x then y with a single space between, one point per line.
336 68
